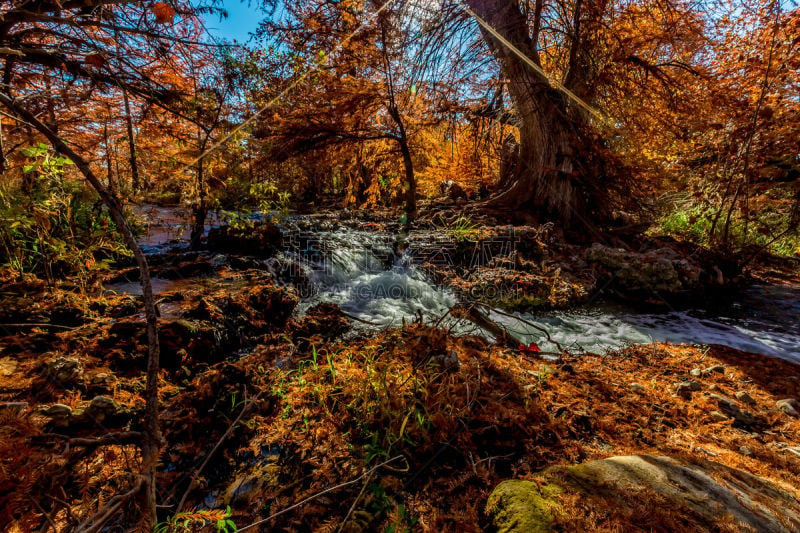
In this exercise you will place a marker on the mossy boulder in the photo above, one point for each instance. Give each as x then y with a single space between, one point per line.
636 275
624 492
518 505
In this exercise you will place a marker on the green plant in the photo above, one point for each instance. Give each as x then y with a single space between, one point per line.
463 229
52 225
197 520
770 224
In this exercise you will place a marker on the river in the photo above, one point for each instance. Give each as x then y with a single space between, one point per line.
360 271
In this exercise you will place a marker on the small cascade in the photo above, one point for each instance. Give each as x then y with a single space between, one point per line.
362 273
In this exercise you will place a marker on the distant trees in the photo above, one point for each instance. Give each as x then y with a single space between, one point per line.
367 94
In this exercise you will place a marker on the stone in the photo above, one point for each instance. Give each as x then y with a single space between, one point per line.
745 450
744 397
523 506
696 372
685 389
790 406
64 371
102 382
716 416
725 404
59 414
100 408
719 369
729 407
703 494
58 410
714 388
636 387
447 361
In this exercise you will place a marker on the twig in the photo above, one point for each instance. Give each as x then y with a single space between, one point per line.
318 494
355 502
46 516
96 521
196 473
37 325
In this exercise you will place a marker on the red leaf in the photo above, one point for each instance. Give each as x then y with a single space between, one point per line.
163 12
96 60
532 347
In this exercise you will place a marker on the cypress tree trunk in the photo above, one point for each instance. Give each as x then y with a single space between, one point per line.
551 175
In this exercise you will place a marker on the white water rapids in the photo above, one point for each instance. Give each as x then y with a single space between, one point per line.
358 271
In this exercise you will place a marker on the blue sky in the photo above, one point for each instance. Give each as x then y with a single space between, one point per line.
242 19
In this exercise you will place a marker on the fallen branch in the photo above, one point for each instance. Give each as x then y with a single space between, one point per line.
353 317
482 320
355 502
527 323
37 325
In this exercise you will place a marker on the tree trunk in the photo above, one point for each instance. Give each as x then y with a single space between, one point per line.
152 442
509 155
3 162
410 185
109 168
410 182
135 183
549 176
200 211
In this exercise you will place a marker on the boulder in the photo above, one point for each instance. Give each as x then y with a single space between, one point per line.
633 273
262 239
672 493
523 506
63 371
686 388
790 406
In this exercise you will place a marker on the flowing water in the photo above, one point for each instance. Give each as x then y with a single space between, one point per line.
361 272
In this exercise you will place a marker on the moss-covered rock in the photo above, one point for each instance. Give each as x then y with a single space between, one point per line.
618 491
523 506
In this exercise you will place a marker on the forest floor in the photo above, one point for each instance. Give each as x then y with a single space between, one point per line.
425 424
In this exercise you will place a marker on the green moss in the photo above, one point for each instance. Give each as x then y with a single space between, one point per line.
523 506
